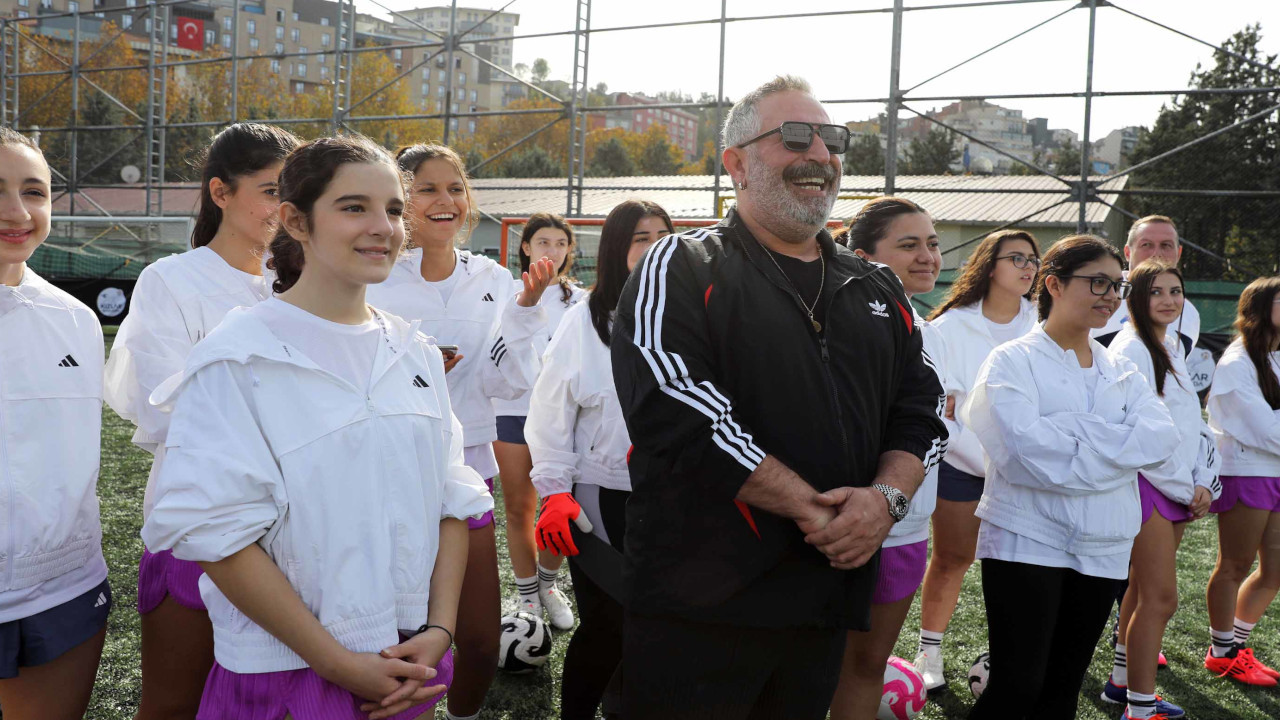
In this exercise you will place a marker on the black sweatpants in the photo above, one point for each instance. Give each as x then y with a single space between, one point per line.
1044 624
677 670
596 646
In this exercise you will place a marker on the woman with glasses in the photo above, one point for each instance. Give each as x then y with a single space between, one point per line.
1244 412
1066 426
989 305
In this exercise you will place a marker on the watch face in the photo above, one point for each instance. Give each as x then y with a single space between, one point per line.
900 506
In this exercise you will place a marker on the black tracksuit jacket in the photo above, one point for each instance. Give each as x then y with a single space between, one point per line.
716 365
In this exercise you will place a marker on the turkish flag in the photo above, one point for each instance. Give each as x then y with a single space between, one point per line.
190 33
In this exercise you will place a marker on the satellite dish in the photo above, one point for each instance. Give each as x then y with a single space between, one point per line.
130 173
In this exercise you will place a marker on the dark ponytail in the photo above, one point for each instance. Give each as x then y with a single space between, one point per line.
871 223
242 149
306 175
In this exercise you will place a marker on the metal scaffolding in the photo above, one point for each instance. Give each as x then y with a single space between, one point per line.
152 124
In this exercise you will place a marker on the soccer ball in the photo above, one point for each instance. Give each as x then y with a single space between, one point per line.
525 645
903 696
978 674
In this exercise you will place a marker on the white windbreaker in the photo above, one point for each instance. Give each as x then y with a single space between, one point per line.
575 429
492 332
914 527
50 432
555 307
343 489
1196 460
1247 429
177 301
1058 472
968 343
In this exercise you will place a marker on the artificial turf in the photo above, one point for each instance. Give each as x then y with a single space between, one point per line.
536 696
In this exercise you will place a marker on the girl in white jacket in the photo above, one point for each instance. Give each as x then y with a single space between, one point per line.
1173 493
1244 412
579 443
314 469
177 301
467 301
544 236
54 597
989 304
900 234
1066 426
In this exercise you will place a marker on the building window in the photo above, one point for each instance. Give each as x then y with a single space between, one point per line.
24 3
398 54
250 25
462 78
453 123
324 72
279 48
46 4
299 87
73 6
453 107
426 73
293 34
459 93
302 69
210 37
324 21
275 66
474 97
442 76
440 90
173 32
226 41
253 43
295 17
425 90
471 126
279 15
226 23
24 13
279 32
324 40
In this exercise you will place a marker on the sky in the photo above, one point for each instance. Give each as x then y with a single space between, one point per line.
847 57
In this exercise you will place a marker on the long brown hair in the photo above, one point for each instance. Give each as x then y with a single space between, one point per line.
540 221
1253 322
975 278
611 258
1143 278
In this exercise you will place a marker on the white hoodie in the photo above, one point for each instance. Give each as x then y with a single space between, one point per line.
1196 461
343 489
968 342
575 429
555 307
1247 429
50 434
177 301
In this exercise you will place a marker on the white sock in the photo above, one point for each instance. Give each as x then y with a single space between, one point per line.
1120 669
528 588
1243 629
546 578
450 716
930 641
1223 641
1141 706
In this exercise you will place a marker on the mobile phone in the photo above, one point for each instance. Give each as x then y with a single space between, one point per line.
448 351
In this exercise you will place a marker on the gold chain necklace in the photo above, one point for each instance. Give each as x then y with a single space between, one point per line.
822 279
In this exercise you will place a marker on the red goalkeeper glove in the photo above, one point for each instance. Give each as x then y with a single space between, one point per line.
553 524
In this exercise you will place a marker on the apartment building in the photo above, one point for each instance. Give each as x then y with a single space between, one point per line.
681 126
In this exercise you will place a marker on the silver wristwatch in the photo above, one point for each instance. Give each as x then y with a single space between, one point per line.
898 503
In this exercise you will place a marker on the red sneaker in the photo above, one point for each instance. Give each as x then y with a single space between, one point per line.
1240 666
1261 666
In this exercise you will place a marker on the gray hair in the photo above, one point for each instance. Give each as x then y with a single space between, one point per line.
743 122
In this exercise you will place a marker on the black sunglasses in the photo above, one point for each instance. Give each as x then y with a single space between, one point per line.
798 136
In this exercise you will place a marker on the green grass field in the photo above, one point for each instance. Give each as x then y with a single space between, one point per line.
536 696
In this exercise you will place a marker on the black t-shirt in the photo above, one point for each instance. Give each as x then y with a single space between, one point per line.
806 278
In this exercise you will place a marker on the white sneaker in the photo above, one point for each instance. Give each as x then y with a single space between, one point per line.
533 605
557 607
929 665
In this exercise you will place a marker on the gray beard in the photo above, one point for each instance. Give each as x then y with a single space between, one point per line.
791 218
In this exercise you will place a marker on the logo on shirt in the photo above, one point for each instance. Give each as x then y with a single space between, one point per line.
487 298
877 308
68 361
419 382
102 600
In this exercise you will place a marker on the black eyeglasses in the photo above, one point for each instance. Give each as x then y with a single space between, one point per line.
1100 285
1020 261
798 136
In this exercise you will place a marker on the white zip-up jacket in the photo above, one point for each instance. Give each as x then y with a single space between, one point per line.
343 489
1247 429
51 352
1196 460
575 429
914 527
968 343
492 332
555 307
1063 458
177 301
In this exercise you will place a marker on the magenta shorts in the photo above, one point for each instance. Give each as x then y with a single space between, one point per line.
1262 493
1153 499
901 572
485 519
161 574
300 694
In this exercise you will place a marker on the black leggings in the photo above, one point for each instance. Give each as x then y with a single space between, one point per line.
596 646
1044 624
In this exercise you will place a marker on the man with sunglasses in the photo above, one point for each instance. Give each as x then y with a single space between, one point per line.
782 413
1155 236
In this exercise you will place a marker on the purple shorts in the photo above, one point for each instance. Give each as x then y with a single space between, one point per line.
161 574
1153 499
299 694
485 519
1262 493
901 572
